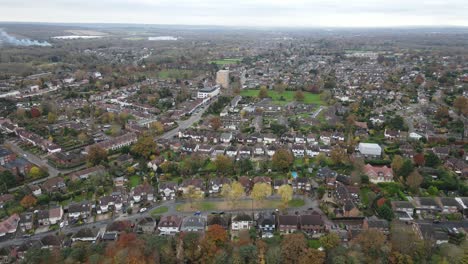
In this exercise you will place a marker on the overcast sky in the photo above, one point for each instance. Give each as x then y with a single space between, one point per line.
306 13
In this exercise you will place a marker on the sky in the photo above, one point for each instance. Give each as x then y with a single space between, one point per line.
285 13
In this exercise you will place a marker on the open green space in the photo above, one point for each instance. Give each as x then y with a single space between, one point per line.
159 211
239 205
134 181
222 62
284 97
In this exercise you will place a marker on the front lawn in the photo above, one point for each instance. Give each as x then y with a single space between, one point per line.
222 62
296 203
134 181
285 97
239 205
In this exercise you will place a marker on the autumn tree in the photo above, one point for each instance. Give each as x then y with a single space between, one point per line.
299 96
442 112
338 155
233 192
96 154
28 201
372 242
461 105
419 159
286 193
223 164
397 163
293 247
35 172
51 118
144 147
330 241
282 159
157 128
215 123
260 191
215 239
193 194
263 92
414 180
312 256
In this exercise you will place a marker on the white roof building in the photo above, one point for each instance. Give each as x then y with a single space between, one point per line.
370 149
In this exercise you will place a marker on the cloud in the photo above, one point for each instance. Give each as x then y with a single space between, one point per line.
359 13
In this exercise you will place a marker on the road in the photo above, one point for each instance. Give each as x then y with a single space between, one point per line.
183 124
172 205
317 112
53 172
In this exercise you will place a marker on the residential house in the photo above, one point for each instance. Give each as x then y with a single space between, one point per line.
288 224
9 225
86 173
50 217
147 225
110 202
53 184
378 174
193 224
449 205
312 223
375 223
168 190
197 183
86 235
278 183
266 224
79 210
216 184
143 192
5 198
26 221
169 225
241 221
301 184
221 220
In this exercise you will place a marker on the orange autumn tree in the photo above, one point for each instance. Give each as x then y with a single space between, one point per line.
28 201
214 241
128 249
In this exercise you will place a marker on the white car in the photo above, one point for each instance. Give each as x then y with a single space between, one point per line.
142 210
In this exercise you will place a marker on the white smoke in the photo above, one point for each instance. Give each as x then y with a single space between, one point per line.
8 39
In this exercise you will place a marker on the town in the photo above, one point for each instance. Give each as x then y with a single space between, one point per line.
193 147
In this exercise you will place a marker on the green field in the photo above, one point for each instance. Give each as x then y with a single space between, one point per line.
240 205
285 97
223 62
159 211
175 74
134 181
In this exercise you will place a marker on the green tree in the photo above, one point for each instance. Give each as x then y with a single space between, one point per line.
406 169
432 160
330 241
35 172
223 164
385 212
7 179
299 96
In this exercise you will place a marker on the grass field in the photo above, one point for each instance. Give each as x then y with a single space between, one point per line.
240 205
134 180
223 62
285 97
159 211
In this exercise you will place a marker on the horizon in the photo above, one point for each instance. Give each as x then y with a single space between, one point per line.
256 13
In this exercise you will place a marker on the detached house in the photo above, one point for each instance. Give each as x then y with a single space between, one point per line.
378 174
78 210
241 221
167 190
143 192
216 184
266 224
50 217
169 225
193 224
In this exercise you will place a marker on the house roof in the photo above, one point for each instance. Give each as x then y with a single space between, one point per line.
290 220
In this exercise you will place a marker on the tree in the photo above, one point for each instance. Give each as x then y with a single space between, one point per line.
51 117
35 172
28 201
282 159
397 163
293 247
419 159
286 193
82 137
233 192
193 194
432 160
144 147
442 112
215 123
96 154
299 96
372 243
263 92
7 179
461 105
414 180
157 128
385 212
406 168
223 164
260 191
330 241
248 253
312 256
338 155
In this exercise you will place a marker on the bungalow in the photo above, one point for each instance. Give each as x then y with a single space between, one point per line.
378 174
403 206
261 179
86 173
143 192
449 205
241 221
189 147
53 184
86 235
218 150
288 224
193 224
169 225
168 190
146 225
427 203
51 242
299 139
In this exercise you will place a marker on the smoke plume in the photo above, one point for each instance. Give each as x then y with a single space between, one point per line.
8 39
